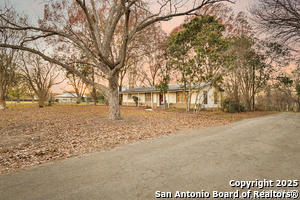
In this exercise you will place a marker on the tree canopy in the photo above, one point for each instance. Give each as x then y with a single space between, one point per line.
90 28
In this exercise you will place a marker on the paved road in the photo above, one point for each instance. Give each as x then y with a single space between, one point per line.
205 160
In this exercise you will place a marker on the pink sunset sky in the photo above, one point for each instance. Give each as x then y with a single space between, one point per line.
34 9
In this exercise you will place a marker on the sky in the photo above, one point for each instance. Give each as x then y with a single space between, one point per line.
34 9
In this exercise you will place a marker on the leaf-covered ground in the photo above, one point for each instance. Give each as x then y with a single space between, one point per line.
30 136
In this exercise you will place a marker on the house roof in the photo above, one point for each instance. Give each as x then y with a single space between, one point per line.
68 95
141 89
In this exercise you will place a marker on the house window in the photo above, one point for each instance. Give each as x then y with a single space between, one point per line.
148 97
129 96
205 97
180 97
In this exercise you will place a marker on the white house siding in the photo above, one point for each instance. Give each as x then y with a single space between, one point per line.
66 100
67 97
172 97
155 100
126 99
155 97
130 100
194 95
210 97
142 99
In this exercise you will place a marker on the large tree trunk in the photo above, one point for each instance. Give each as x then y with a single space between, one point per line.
41 102
95 100
249 102
268 97
185 97
120 86
94 96
120 90
298 103
2 99
113 98
190 96
2 102
165 105
78 99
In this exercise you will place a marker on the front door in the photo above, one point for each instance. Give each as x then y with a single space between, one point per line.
161 99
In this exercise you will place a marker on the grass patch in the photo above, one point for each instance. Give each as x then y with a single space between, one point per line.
225 117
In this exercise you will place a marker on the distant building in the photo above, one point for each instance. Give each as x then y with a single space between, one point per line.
68 97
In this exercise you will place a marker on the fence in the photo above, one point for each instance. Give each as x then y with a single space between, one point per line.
232 107
237 107
20 100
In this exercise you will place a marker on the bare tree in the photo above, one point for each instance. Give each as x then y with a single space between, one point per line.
253 67
153 56
18 87
93 89
40 75
78 83
288 84
7 73
93 93
129 64
90 27
133 60
7 57
280 19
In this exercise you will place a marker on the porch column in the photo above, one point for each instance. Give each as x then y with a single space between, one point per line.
127 99
151 101
138 99
168 100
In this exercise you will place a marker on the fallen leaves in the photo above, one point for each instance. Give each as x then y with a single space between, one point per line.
31 136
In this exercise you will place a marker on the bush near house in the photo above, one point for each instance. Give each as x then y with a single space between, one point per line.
232 106
136 100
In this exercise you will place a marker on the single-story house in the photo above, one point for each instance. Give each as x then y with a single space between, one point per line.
209 96
68 97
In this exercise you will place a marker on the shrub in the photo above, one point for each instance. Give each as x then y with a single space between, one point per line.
259 107
225 105
135 99
49 103
232 106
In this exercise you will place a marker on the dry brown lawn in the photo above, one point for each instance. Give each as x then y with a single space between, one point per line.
30 136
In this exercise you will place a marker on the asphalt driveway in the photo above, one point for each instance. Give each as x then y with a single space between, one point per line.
258 149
